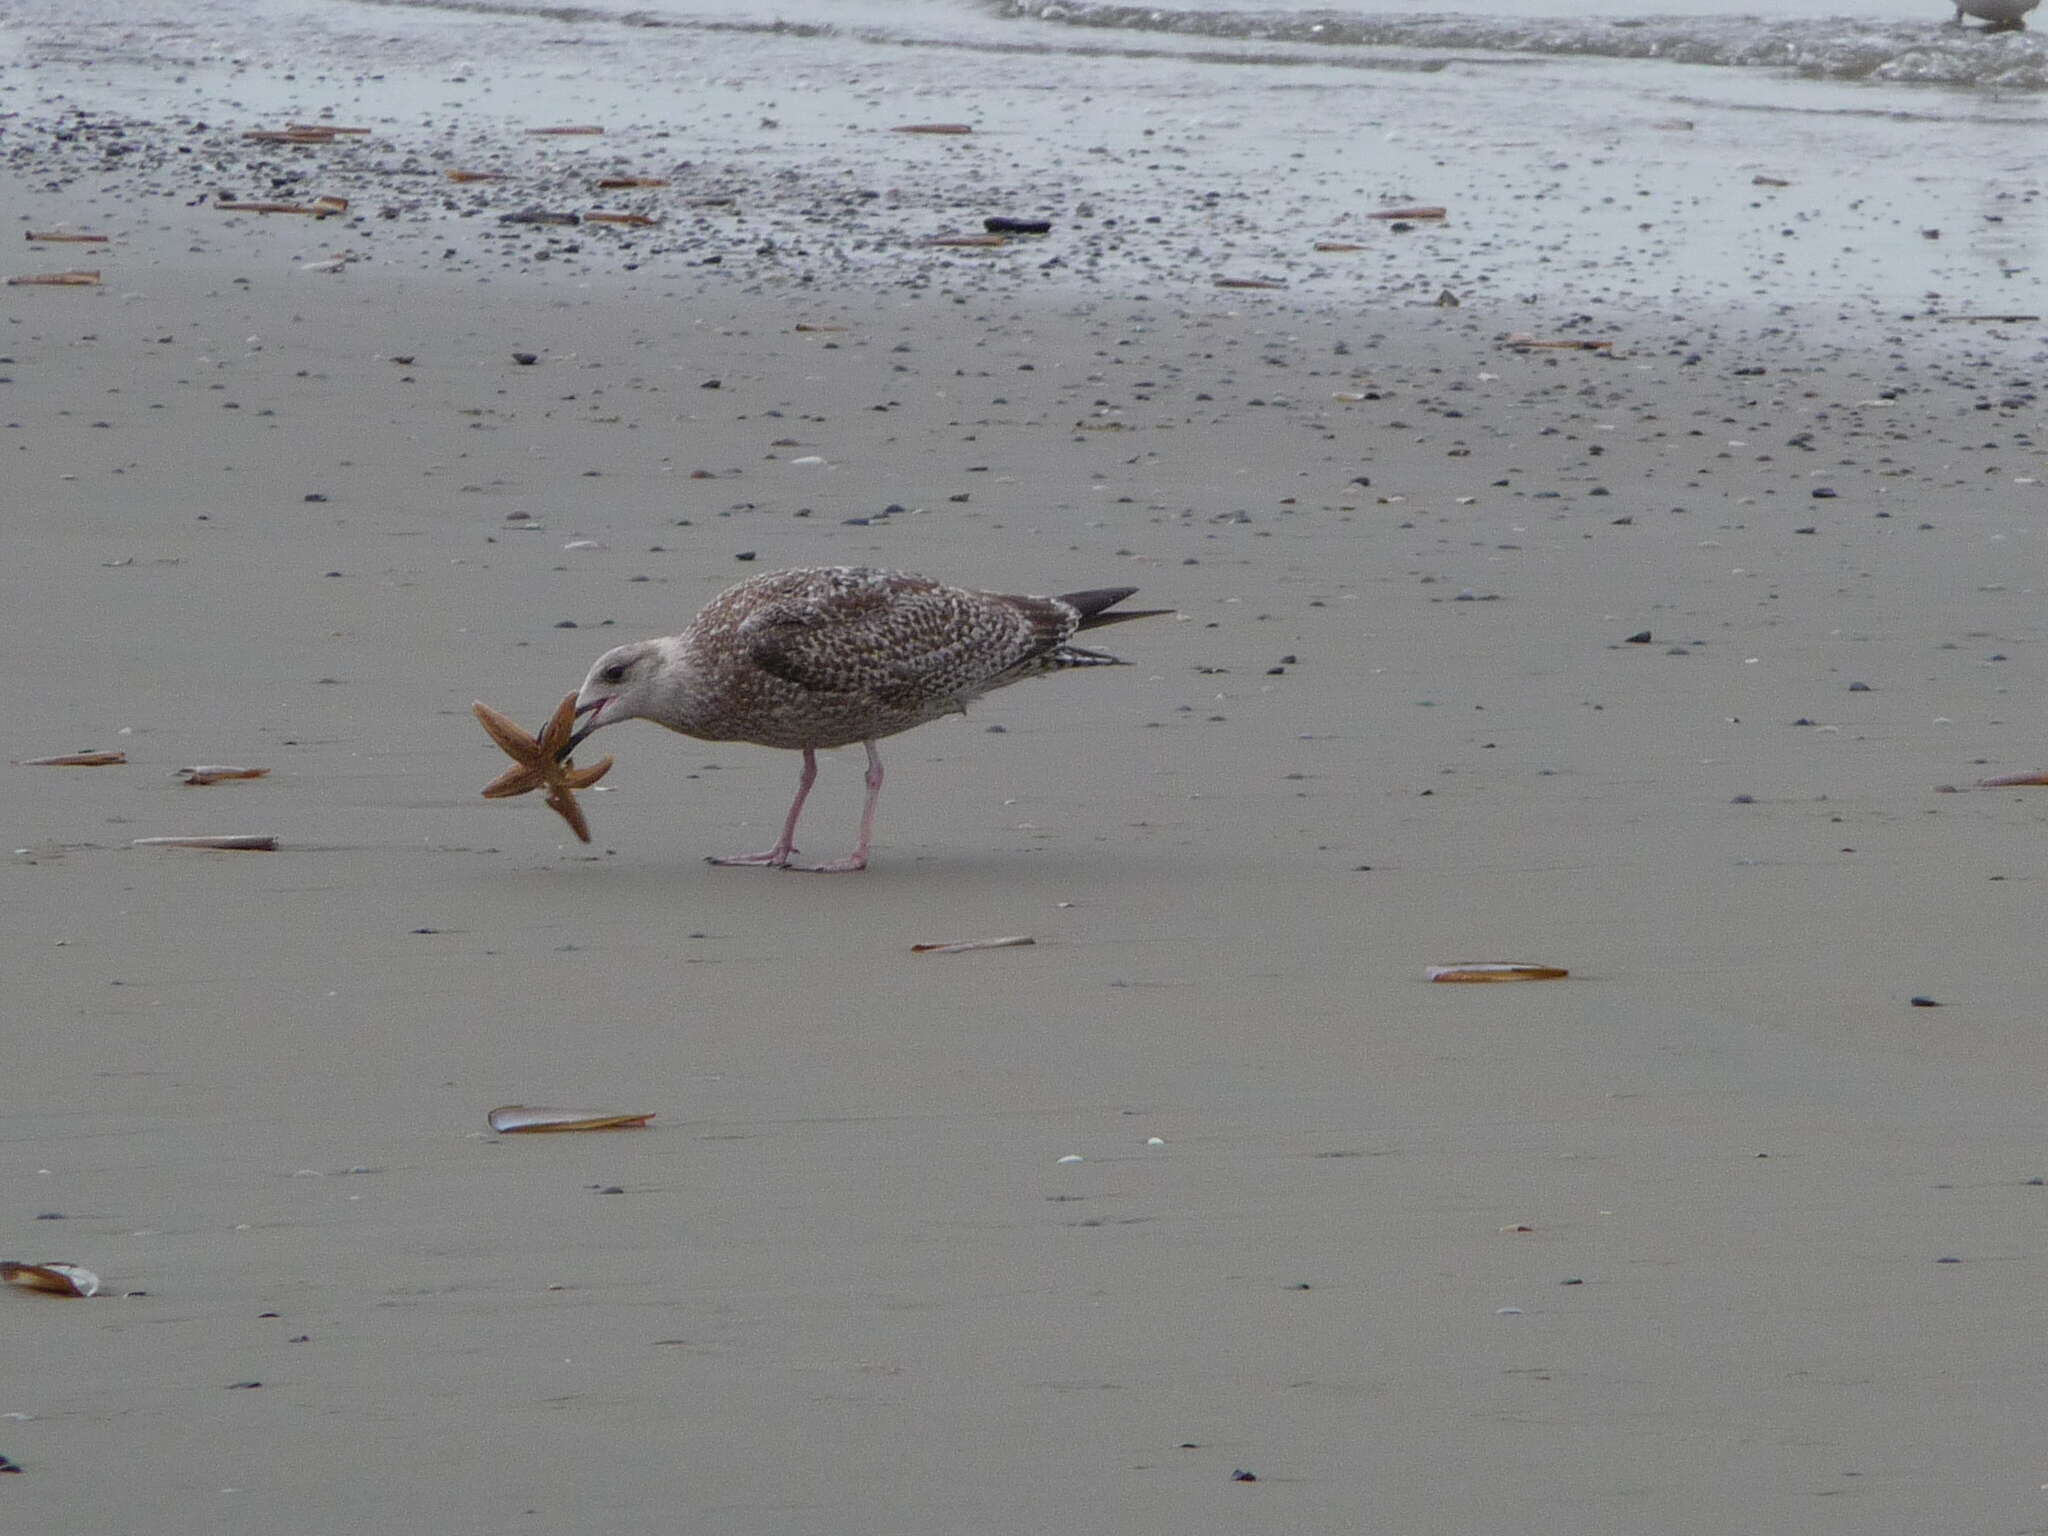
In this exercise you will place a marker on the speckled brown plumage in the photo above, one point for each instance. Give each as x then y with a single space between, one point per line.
825 656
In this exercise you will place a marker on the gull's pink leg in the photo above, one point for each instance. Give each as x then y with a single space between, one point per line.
778 856
858 859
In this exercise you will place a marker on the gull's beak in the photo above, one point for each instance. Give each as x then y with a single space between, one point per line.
593 709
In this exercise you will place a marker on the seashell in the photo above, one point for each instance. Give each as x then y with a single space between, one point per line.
2011 780
249 842
568 130
1495 970
214 773
955 128
78 279
1014 941
519 1119
75 760
1524 341
54 1276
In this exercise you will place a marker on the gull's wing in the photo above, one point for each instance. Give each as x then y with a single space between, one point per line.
902 640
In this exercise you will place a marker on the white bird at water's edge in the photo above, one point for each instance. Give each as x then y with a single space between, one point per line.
826 656
2004 15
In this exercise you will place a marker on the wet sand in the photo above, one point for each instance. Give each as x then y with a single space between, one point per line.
1780 1257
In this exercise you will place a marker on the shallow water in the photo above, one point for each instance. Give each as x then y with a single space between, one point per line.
1580 170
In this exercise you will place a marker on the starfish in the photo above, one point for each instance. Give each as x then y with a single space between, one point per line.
542 759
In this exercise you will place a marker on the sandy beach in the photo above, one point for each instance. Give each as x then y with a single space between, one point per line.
1673 662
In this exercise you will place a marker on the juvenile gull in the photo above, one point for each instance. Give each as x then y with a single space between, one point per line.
825 656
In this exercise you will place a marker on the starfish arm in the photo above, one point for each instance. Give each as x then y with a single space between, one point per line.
519 779
572 777
563 801
506 733
561 725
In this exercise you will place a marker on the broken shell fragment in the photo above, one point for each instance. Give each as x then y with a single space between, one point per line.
59 1279
1524 341
636 220
1495 970
1014 941
251 842
567 130
59 237
1409 213
475 175
78 279
2012 780
75 760
519 1119
612 183
214 773
319 208
933 128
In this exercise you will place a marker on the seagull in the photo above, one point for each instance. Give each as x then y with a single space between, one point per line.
826 656
2004 15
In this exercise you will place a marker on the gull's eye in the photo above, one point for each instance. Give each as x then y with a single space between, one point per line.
615 673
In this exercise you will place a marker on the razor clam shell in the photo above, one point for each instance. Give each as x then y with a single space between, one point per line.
54 1275
1495 970
519 1119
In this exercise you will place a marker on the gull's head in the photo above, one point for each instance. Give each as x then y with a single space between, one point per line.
621 686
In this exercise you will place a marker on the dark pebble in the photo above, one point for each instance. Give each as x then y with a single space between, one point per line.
526 359
1859 687
50 1216
1640 637
711 384
314 496
745 554
1948 1261
8 1466
611 1189
1240 1475
1822 493
565 623
996 224
1571 1282
243 1386
1924 1002
1743 800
